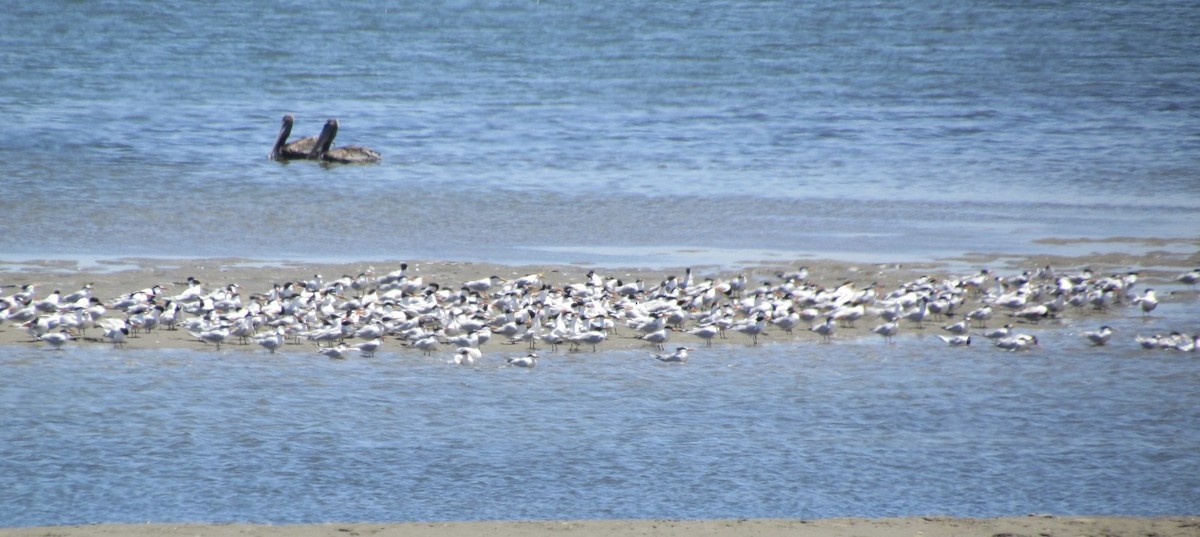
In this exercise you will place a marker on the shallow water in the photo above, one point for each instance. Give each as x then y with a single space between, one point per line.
857 427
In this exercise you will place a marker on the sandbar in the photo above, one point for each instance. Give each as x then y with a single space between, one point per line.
115 277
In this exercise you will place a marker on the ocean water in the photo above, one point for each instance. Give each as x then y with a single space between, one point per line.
613 133
550 131
857 428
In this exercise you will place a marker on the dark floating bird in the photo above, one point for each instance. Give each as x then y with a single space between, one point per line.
351 154
296 150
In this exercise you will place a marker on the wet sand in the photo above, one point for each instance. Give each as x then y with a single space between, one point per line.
1034 526
113 278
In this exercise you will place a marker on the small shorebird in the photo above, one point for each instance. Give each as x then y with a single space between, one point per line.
84 292
657 337
706 332
1148 301
1099 337
271 340
847 315
1018 342
591 337
213 335
787 322
960 328
680 355
753 329
1148 342
1189 279
529 360
1032 314
1187 344
337 353
956 341
998 332
981 315
918 315
482 285
466 356
56 340
117 335
427 344
826 329
368 348
888 330
48 304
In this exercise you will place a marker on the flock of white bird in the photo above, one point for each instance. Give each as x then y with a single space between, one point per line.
356 315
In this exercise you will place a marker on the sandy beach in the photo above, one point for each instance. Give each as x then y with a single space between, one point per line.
1033 525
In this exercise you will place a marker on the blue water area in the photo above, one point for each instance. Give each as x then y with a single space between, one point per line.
857 427
861 127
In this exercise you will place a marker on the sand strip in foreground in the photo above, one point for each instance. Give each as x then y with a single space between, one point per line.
1034 525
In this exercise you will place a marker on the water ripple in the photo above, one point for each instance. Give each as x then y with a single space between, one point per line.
776 431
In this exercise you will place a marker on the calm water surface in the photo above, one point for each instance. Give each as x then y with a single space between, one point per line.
854 428
520 131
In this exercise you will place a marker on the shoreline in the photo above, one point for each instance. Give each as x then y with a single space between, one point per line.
927 526
112 278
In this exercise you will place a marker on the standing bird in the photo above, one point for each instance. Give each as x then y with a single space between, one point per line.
1148 301
787 322
959 328
888 330
271 340
427 344
591 337
657 337
981 315
56 340
826 329
116 331
368 348
918 315
706 332
753 329
213 335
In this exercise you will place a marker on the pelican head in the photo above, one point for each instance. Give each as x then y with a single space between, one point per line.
285 130
325 140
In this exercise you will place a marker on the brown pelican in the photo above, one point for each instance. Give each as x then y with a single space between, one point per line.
295 150
346 155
